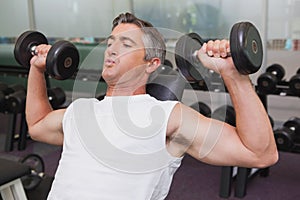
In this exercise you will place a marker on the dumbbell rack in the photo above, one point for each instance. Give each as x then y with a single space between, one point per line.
282 89
13 118
243 174
11 130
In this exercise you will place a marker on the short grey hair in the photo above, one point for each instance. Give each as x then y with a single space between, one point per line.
153 40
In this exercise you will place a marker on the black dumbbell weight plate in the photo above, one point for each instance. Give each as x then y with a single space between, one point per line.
202 108
267 83
225 113
246 47
284 138
15 87
294 124
294 84
37 166
165 69
62 60
185 48
277 70
56 97
23 45
16 102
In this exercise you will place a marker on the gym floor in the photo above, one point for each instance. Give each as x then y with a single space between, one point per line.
193 181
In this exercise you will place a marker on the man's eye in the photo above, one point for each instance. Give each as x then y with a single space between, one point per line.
127 45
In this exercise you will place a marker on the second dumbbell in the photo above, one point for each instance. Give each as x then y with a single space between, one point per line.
268 81
288 136
294 83
62 59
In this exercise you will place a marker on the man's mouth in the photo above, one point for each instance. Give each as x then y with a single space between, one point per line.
109 62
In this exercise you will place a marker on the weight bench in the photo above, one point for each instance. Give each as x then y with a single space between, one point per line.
10 179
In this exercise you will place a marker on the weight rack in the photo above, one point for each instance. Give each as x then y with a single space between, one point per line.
242 174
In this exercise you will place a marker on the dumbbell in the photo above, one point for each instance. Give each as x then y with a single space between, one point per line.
3 93
37 166
165 68
202 108
225 113
294 124
15 99
14 88
4 88
245 46
288 135
62 59
294 83
267 82
2 102
15 102
56 96
168 63
8 95
8 89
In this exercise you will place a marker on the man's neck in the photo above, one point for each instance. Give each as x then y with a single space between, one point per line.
114 91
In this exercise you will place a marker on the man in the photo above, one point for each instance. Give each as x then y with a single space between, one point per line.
129 145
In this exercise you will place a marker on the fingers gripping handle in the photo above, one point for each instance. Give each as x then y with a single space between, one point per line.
33 50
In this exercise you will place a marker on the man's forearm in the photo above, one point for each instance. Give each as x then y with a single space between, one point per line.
252 121
37 103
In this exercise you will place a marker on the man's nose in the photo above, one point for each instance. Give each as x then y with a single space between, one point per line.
112 50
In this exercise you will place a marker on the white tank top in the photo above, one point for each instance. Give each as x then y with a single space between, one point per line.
115 149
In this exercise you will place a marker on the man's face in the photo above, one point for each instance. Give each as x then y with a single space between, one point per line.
124 57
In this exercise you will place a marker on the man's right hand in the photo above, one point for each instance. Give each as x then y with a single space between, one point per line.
39 60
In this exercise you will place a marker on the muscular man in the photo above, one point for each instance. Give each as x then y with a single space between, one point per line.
129 145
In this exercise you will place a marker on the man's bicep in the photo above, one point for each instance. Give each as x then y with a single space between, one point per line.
187 134
206 139
218 143
49 129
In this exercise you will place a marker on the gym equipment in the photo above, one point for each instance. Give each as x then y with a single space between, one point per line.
62 59
14 88
168 63
166 84
2 102
271 121
10 179
202 108
15 98
287 136
4 88
245 46
15 102
100 96
166 87
37 166
56 96
294 124
225 113
15 176
266 82
164 69
294 83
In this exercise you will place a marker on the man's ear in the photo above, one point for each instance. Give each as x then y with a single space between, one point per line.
154 63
